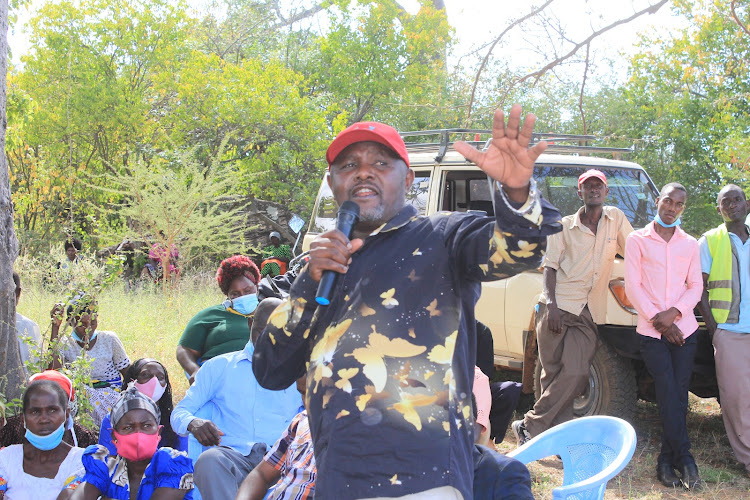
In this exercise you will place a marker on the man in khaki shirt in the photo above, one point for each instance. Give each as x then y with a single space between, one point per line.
577 270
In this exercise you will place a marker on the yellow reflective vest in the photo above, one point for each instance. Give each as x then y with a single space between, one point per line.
724 278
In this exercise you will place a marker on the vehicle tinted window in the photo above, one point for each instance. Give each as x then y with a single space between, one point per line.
629 190
325 216
466 190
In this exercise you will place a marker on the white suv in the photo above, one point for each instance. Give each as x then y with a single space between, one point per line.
445 180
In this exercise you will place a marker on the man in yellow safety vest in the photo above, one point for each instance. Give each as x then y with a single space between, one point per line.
725 305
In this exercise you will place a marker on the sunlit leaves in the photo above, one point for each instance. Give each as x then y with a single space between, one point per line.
690 96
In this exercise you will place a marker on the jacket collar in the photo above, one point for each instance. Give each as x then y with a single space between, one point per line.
402 218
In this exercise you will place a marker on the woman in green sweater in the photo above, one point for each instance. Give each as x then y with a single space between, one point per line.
224 327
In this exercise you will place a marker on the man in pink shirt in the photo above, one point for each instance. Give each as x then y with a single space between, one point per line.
663 281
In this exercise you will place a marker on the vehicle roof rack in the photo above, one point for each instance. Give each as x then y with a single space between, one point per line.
557 143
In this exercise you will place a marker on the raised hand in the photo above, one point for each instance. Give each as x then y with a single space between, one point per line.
57 314
508 158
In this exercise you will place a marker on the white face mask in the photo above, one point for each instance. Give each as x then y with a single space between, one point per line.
152 388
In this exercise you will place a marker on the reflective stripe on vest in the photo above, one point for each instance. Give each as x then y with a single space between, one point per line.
722 277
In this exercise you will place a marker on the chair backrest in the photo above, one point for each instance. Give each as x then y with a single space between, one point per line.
593 450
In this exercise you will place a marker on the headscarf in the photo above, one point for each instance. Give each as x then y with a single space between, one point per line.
132 399
61 379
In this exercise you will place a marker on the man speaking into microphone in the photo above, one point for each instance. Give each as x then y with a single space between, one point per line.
390 361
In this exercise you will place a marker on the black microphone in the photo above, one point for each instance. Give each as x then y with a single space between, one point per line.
346 219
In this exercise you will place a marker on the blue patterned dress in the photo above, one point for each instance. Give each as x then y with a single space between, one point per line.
169 468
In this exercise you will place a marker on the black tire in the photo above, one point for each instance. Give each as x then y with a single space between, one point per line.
612 386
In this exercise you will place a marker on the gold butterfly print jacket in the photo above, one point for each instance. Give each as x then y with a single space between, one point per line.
390 362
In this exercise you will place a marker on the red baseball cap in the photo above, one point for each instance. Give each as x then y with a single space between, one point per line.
368 131
588 174
55 376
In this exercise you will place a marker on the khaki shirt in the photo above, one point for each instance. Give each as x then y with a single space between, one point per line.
583 261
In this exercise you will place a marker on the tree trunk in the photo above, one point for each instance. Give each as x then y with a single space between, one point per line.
11 370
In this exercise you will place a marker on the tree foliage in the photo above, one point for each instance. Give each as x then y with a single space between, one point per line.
375 52
176 201
112 87
687 100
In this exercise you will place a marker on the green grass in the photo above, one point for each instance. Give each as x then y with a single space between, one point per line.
148 322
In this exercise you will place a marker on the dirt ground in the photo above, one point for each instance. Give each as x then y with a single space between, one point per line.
725 478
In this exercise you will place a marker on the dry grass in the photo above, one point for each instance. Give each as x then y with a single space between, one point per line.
725 478
149 324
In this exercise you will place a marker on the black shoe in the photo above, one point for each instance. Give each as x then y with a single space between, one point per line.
690 478
667 477
519 429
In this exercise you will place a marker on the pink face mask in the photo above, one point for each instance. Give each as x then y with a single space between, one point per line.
136 446
152 388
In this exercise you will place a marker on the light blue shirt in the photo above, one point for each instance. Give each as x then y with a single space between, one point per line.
226 392
743 252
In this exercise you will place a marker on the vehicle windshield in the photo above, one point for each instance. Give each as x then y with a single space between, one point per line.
630 190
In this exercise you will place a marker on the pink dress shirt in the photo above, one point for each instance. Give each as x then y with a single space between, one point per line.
660 275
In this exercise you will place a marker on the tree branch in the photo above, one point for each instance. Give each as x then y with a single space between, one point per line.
299 16
736 18
583 86
536 75
651 9
492 47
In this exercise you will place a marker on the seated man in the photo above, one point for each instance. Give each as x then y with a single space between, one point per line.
230 418
289 464
496 476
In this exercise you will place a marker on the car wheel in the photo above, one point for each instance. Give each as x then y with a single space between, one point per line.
611 389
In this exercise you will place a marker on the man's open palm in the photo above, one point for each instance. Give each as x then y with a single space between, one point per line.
508 159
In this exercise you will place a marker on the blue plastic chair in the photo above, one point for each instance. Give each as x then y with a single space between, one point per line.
593 451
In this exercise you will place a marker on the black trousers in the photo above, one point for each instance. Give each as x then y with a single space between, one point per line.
671 367
505 396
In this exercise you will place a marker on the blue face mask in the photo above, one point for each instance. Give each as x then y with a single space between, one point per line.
48 442
79 339
664 224
245 304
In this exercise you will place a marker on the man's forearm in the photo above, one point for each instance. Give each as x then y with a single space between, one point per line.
282 349
550 285
256 484
705 310
704 306
520 233
180 420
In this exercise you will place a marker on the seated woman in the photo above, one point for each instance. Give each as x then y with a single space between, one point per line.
13 431
139 470
222 328
107 354
39 468
150 377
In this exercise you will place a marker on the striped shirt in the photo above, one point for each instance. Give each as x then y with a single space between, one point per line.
292 456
